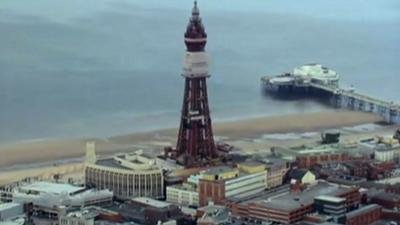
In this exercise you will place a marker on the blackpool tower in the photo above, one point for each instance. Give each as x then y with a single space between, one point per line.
195 145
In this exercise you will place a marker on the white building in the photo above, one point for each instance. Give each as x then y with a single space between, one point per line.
246 185
10 211
53 199
84 217
15 221
384 148
127 175
186 195
317 73
384 154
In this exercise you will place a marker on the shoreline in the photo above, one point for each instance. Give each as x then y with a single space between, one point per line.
45 159
53 150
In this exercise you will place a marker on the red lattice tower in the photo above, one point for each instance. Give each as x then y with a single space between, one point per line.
195 145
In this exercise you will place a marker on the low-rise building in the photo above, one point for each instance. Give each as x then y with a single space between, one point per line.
78 218
347 180
330 205
219 183
288 207
53 199
148 211
309 156
213 215
90 216
185 194
385 148
302 176
276 171
363 216
10 210
386 200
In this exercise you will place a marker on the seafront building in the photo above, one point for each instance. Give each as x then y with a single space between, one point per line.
10 211
47 201
127 175
219 183
385 148
183 194
276 171
290 206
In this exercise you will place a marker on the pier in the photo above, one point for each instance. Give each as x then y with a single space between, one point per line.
350 99
314 78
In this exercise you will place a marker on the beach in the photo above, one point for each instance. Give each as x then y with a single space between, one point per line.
48 157
51 150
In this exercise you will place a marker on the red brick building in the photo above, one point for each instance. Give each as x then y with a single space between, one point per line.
309 160
386 200
211 191
291 207
363 216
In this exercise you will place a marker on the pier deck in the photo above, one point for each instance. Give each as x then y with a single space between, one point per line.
342 98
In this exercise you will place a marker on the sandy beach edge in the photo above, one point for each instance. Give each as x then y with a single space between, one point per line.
48 150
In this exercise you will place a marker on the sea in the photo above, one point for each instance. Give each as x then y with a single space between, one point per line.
98 68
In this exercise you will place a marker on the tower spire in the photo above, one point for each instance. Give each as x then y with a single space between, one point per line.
195 10
195 35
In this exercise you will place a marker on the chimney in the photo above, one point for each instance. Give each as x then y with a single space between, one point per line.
296 186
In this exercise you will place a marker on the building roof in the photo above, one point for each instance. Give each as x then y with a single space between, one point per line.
323 149
298 174
132 162
109 162
387 196
214 214
251 163
151 202
273 163
49 187
16 221
184 187
330 198
8 205
290 201
362 210
316 71
219 170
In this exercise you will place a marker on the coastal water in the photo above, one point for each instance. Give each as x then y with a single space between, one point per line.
74 68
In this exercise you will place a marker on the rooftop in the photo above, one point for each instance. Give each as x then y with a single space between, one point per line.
330 198
49 187
316 71
362 210
184 187
17 221
8 205
214 214
387 196
109 162
219 170
132 161
289 201
251 163
151 202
